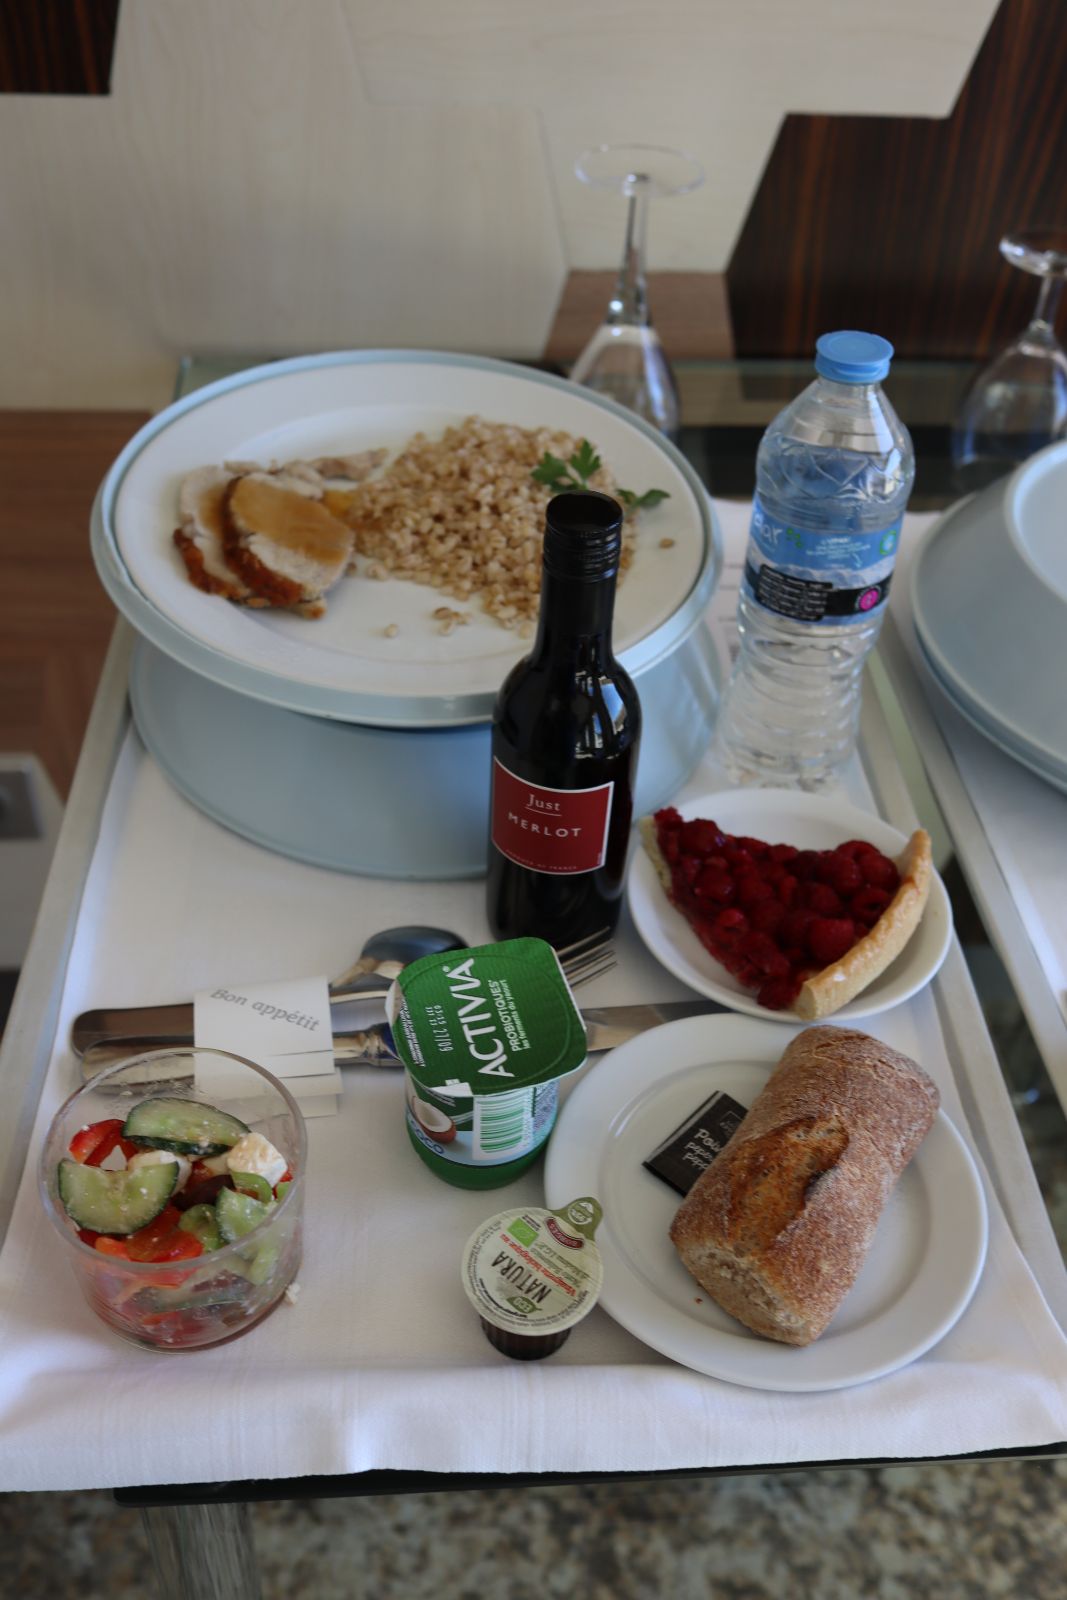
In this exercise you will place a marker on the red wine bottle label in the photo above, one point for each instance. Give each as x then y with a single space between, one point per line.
549 830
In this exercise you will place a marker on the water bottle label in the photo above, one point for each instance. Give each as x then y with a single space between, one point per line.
815 575
549 830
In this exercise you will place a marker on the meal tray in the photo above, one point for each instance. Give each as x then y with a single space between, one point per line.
381 1364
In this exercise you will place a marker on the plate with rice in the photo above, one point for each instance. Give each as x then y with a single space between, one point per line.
440 595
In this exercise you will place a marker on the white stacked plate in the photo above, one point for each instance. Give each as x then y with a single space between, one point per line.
989 601
257 714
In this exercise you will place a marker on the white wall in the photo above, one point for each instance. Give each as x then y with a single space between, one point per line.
287 175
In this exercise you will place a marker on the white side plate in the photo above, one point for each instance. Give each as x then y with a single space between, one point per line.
920 1273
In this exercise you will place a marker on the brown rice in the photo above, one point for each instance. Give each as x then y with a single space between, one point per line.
463 514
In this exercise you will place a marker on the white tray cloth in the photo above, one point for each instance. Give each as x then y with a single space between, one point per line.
382 1363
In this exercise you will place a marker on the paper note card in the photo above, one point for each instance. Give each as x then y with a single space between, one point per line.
283 1026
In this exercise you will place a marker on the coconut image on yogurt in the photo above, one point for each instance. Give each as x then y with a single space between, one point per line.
434 1122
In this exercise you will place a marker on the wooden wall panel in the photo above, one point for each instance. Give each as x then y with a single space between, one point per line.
892 224
57 46
55 618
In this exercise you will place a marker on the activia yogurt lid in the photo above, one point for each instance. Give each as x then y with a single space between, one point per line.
497 1017
530 1271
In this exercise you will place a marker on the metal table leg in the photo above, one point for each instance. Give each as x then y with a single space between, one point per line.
203 1552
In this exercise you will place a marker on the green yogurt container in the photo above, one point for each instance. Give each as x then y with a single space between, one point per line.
485 1036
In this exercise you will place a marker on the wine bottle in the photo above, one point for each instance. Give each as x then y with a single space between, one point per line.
566 728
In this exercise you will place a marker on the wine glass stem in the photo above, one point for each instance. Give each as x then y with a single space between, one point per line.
628 305
1047 301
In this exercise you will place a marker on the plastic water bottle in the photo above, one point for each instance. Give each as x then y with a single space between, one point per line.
833 476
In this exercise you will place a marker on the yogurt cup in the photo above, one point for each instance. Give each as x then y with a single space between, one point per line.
533 1274
485 1036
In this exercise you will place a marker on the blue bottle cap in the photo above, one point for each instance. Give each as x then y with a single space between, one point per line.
849 357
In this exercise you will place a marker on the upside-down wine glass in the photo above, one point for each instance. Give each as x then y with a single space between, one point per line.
625 359
1018 403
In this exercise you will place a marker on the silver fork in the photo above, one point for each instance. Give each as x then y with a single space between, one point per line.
588 958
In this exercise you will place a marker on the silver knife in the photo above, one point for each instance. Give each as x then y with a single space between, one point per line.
606 1027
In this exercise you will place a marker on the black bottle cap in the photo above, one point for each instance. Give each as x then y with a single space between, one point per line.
583 535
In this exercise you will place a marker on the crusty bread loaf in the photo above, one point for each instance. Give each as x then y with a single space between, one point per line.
777 1227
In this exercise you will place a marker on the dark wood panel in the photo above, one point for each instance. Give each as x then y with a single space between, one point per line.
57 46
55 619
892 223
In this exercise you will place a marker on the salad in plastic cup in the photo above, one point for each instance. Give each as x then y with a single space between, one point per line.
175 1181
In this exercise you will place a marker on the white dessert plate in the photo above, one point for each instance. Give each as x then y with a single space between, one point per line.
346 664
812 822
920 1273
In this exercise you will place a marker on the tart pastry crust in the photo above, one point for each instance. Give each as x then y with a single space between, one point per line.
826 991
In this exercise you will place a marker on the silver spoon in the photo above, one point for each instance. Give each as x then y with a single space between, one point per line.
368 978
384 954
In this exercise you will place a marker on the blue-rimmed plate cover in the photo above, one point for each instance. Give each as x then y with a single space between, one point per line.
347 664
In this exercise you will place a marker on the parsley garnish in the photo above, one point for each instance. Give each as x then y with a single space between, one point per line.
575 473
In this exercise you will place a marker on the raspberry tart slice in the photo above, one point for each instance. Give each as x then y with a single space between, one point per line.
807 930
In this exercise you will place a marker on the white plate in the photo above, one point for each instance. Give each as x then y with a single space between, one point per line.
989 613
812 822
997 734
921 1271
344 665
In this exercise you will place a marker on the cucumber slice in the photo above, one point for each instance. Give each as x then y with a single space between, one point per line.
261 1268
238 1214
254 1184
203 1223
115 1202
185 1126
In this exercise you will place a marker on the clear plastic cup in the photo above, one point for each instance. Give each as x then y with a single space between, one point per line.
215 1297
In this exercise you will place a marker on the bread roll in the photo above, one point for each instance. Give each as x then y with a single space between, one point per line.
777 1227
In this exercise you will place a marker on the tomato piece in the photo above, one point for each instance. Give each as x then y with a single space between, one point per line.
108 1246
178 1246
87 1236
176 1328
94 1144
144 1244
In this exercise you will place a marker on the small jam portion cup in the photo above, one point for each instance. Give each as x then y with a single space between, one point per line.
533 1274
187 1304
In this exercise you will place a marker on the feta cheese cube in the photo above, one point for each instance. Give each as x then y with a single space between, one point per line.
253 1153
155 1158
